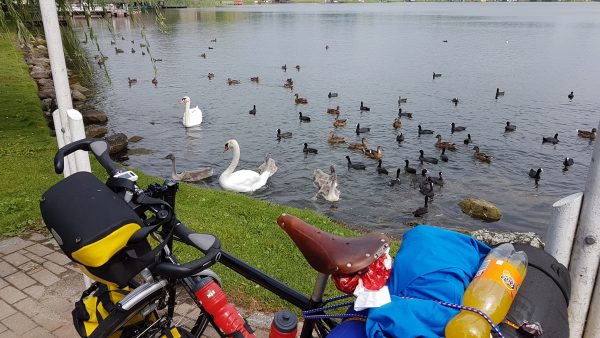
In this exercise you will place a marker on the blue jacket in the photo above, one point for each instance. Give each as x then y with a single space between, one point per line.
432 264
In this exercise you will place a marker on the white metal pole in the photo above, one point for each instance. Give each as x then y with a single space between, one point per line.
563 224
77 133
586 249
592 326
61 85
67 129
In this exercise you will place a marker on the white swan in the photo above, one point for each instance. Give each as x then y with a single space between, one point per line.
327 184
243 180
191 117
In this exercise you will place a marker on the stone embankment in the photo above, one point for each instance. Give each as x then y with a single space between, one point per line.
95 121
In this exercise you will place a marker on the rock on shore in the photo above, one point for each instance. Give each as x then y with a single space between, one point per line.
481 209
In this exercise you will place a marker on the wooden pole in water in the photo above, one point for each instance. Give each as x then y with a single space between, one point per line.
585 256
563 224
69 124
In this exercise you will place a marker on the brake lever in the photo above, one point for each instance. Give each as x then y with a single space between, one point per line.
98 147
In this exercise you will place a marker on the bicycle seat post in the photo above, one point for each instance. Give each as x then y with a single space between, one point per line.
319 288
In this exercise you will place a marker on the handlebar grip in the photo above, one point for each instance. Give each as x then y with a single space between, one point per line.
98 147
208 244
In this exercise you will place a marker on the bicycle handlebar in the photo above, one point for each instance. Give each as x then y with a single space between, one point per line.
98 147
208 244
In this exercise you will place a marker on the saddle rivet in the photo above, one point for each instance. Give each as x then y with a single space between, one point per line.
348 265
368 254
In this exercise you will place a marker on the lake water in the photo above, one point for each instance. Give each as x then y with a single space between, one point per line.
536 52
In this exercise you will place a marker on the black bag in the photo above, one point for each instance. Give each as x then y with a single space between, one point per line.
542 298
92 226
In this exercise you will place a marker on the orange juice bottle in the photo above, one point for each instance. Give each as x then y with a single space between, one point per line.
492 291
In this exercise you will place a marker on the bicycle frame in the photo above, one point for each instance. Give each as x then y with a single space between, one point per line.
285 292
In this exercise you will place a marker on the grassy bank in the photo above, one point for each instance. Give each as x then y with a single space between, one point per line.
26 147
246 226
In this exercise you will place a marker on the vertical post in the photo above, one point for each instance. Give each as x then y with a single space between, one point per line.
563 224
68 122
65 129
592 326
586 249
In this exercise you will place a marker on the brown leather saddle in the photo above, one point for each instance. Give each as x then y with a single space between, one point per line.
331 254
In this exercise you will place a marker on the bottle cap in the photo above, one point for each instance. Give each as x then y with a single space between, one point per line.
285 321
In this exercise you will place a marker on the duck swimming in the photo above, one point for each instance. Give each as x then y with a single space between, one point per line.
424 131
303 118
436 75
408 169
419 181
400 138
553 140
468 139
457 128
400 114
308 150
587 134
253 110
396 180
401 99
443 144
422 210
300 100
567 163
330 95
423 158
357 166
535 173
571 96
375 154
360 130
363 146
381 170
397 123
333 138
339 122
481 156
509 127
443 155
455 101
281 134
363 107
438 180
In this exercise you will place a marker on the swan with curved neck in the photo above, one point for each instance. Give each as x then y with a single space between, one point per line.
327 184
191 117
241 180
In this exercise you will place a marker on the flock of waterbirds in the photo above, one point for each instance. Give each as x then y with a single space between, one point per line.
327 183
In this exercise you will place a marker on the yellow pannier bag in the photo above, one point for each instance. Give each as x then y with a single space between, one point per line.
96 304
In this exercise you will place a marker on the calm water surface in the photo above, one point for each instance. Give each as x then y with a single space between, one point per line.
537 53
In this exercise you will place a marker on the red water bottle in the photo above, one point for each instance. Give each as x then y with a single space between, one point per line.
284 325
225 315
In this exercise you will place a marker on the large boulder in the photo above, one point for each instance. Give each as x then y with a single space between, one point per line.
493 238
77 96
78 87
45 82
117 143
481 209
94 117
47 94
42 74
95 130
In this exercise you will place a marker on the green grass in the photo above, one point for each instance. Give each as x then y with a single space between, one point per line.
246 226
26 147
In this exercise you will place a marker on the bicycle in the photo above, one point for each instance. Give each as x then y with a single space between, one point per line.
155 287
